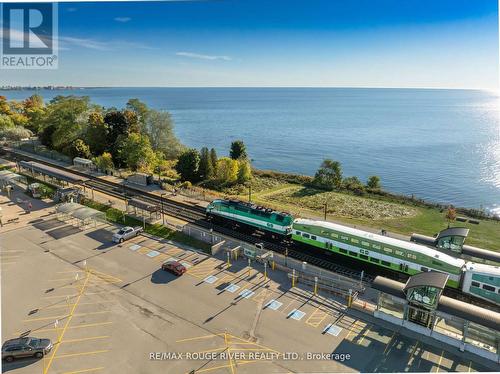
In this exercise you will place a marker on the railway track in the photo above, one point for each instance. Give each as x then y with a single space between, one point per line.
195 215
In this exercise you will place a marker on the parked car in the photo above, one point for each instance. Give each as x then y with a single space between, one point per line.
25 347
174 267
126 233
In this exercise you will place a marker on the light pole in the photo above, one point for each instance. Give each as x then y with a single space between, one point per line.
326 208
249 192
161 203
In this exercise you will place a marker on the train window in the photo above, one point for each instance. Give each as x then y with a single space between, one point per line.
388 250
424 269
475 284
305 235
437 263
375 260
344 237
375 246
488 288
366 244
385 263
333 235
354 240
364 257
313 237
343 250
353 253
297 232
280 218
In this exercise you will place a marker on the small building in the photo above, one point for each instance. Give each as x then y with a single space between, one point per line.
150 212
83 164
141 179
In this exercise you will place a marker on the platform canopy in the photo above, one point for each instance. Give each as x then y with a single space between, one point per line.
52 172
144 205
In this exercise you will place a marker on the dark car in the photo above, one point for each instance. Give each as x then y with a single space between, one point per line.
25 347
174 267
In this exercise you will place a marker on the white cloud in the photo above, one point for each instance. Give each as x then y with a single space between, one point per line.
203 57
122 19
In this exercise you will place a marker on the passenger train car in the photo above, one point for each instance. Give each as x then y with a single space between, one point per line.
479 280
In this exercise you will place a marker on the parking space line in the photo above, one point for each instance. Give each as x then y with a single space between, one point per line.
85 339
61 337
351 330
84 370
367 330
69 328
261 296
439 362
315 318
389 342
64 316
82 354
198 337
67 305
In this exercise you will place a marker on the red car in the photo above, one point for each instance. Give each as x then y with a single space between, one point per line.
174 267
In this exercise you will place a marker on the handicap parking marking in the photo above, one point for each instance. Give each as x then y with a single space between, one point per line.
246 293
296 314
232 288
134 247
273 304
332 329
153 254
210 279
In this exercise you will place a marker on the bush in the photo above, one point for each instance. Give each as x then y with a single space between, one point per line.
15 133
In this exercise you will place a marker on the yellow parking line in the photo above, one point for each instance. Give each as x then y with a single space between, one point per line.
439 362
85 339
261 296
198 337
367 330
67 305
317 316
61 337
82 354
58 317
389 342
84 370
351 330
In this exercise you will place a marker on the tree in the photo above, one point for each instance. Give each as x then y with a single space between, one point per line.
238 150
15 133
140 109
138 154
120 123
97 133
373 182
77 148
213 159
227 170
329 175
188 165
104 162
34 110
451 214
206 169
5 121
160 129
45 136
244 171
354 184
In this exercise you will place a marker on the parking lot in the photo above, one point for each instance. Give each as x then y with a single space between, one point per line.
109 308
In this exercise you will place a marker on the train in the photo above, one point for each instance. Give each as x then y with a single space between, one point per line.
396 255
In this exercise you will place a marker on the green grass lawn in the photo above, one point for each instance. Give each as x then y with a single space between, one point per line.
117 216
367 212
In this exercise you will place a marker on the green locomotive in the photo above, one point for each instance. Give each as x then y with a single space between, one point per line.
251 215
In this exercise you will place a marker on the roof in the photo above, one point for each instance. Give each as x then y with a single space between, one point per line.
86 212
481 253
457 262
430 278
67 207
81 160
53 172
453 231
141 204
6 175
473 313
483 268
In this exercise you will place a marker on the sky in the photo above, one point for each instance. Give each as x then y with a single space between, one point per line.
263 43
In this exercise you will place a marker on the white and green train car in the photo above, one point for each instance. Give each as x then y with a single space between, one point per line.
382 251
482 281
251 215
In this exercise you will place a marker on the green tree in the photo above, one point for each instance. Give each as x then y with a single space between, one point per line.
373 182
213 158
140 109
97 134
6 122
329 175
77 148
35 111
160 129
65 114
206 169
451 215
238 150
188 165
354 184
244 171
104 162
227 171
45 135
138 154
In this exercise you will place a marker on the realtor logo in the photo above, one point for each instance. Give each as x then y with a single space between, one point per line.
29 36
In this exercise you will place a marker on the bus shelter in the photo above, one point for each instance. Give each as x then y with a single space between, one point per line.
147 211
79 215
8 178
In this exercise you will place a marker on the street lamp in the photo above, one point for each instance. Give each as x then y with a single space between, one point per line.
161 202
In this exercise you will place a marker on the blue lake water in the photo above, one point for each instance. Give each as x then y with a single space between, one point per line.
440 145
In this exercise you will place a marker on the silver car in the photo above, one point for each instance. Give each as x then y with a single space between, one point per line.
25 347
126 233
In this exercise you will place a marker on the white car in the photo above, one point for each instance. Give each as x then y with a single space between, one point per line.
125 233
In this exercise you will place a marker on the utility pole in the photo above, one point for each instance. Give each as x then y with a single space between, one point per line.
249 192
161 201
326 208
